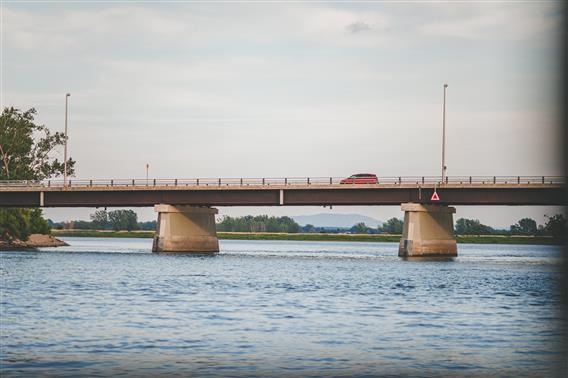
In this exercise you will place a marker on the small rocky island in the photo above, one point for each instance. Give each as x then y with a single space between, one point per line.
34 241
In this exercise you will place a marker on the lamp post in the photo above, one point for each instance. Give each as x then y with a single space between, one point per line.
65 153
147 166
444 138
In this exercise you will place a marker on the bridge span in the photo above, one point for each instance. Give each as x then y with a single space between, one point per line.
486 190
186 217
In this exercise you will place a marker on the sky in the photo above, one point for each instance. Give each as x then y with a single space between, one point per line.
292 89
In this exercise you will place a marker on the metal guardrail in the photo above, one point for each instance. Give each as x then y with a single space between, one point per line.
240 182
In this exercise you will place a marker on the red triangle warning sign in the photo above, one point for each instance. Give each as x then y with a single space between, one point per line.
435 197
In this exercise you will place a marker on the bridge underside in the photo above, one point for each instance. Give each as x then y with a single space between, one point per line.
545 196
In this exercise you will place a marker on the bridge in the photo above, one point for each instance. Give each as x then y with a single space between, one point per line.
186 217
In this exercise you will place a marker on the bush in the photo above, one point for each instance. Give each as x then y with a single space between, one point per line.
21 223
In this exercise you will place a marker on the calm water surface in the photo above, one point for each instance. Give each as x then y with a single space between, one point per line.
274 308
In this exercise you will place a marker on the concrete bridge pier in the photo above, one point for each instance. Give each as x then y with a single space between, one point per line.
428 231
185 229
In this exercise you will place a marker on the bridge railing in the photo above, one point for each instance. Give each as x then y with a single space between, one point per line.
18 183
243 182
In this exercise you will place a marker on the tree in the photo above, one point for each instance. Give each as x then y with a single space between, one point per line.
25 154
290 226
13 225
472 227
556 226
21 223
100 219
22 156
260 223
38 225
525 226
309 228
123 220
360 228
147 226
393 226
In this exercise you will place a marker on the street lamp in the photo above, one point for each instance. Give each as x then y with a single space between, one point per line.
65 153
147 166
444 138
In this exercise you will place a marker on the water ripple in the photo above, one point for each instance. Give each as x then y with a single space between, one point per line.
110 307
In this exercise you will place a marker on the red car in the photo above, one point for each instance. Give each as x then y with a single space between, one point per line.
361 178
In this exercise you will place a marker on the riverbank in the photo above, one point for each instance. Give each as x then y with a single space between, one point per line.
34 241
465 239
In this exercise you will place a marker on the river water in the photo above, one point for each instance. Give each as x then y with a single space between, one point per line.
105 307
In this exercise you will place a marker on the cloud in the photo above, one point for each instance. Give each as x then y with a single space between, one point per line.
54 30
357 27
237 76
492 21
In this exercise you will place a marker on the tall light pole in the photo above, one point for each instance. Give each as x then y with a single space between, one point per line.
65 153
444 138
147 166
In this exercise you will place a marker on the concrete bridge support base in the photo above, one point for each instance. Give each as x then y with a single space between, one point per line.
428 231
185 229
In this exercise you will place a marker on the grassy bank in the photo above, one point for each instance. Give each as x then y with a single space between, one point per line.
103 233
472 239
308 237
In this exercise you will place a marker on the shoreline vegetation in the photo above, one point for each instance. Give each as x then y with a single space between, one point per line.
464 239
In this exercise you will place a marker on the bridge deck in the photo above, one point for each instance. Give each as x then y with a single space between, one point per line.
216 187
279 183
510 190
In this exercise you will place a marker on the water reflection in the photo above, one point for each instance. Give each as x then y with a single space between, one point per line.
429 258
189 254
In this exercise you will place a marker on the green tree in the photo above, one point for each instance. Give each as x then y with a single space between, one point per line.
227 223
556 226
21 223
13 225
393 226
309 228
100 220
472 227
147 226
260 223
123 220
360 228
38 225
26 154
525 226
289 225
24 157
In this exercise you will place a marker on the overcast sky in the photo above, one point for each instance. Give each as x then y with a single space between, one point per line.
279 89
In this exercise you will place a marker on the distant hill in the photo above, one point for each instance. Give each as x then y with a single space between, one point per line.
335 220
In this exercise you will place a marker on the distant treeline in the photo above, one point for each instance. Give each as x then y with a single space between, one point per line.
260 223
264 223
117 220
555 226
127 220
